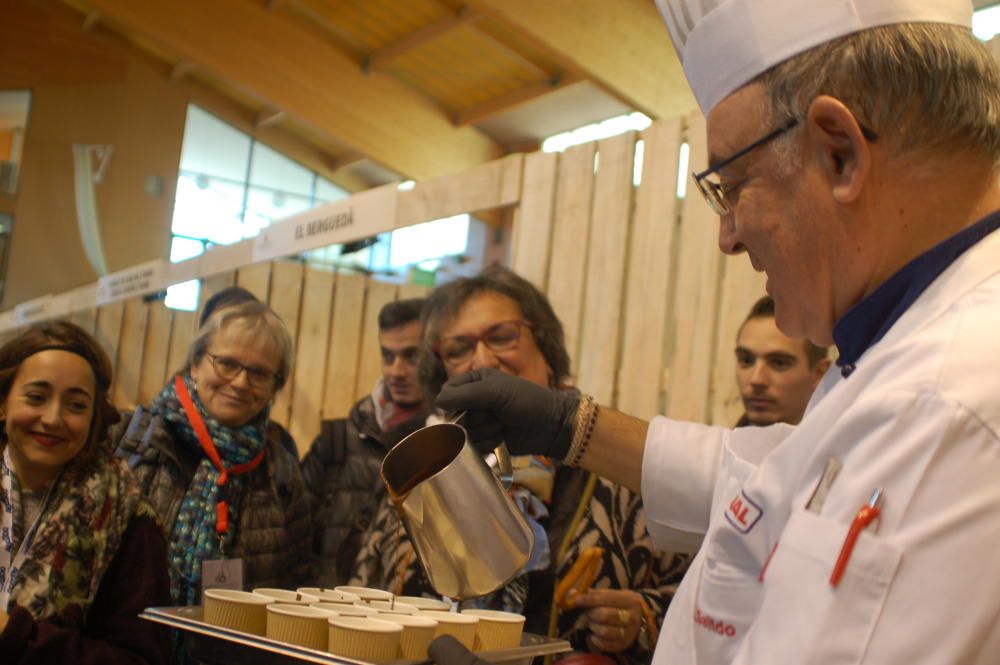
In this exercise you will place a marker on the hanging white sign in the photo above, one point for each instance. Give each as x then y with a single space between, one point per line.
135 281
362 215
32 311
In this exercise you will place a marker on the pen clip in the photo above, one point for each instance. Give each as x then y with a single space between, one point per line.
867 514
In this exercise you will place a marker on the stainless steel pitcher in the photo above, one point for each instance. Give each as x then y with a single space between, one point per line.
469 535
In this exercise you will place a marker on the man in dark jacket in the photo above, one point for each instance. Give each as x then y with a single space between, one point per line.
342 466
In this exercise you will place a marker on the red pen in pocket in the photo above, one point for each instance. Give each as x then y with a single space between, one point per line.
866 515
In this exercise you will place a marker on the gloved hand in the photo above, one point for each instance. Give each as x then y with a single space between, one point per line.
446 650
531 419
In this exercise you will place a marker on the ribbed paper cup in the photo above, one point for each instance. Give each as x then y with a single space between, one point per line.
425 603
363 638
347 610
330 595
298 624
366 594
287 597
390 607
497 630
460 626
239 610
418 633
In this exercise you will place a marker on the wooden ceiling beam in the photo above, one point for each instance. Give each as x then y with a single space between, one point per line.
268 118
621 46
345 160
385 55
491 107
284 65
93 16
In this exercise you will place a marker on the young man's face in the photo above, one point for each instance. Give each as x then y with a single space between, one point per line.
773 373
399 363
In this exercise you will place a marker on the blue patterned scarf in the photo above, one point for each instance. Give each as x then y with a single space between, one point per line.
192 537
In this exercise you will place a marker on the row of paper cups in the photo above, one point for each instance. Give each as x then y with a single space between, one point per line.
365 626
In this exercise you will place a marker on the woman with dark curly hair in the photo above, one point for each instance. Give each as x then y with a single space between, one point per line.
501 321
81 554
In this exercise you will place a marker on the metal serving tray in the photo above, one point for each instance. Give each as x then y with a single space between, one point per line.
215 645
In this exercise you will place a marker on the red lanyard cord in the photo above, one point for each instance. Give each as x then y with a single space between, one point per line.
221 507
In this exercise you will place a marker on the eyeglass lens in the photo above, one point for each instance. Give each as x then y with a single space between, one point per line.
229 368
500 337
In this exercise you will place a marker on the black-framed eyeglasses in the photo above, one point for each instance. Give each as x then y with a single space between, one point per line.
229 368
500 337
716 195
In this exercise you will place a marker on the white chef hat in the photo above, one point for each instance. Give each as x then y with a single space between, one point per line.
725 44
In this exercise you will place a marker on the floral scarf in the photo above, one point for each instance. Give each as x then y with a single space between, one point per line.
78 534
192 537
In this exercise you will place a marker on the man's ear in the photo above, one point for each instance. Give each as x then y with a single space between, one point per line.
839 146
819 369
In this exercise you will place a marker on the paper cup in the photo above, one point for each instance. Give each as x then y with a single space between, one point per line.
389 607
497 630
460 626
298 624
418 633
347 610
239 610
363 638
329 595
425 603
365 593
287 597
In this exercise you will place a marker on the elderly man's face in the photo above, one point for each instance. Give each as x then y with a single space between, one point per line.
781 217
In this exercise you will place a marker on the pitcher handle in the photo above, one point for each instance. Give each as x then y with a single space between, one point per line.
504 470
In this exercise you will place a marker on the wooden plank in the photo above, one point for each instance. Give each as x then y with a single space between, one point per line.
256 279
212 285
86 319
182 332
407 291
605 275
742 286
311 355
369 359
156 352
345 342
483 187
570 240
109 329
285 299
647 288
130 351
533 218
696 296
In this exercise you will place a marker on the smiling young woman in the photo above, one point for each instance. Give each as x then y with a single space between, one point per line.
85 555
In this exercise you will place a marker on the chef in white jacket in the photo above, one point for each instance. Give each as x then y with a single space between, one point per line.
853 151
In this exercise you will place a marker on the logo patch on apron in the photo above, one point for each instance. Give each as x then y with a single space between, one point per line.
743 513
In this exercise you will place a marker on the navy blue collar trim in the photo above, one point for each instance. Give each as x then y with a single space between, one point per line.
869 320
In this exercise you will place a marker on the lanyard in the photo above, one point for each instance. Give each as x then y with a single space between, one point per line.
11 562
221 507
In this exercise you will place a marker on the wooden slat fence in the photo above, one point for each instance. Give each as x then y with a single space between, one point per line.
649 304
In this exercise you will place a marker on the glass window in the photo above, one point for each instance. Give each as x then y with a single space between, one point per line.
13 121
327 192
213 147
6 224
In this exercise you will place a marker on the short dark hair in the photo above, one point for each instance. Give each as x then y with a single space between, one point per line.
446 300
227 297
764 309
72 338
400 312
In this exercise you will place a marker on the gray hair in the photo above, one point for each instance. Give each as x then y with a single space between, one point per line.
258 319
445 302
919 86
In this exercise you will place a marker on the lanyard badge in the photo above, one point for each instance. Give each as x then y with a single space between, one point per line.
217 573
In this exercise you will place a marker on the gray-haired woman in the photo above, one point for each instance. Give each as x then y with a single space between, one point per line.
222 484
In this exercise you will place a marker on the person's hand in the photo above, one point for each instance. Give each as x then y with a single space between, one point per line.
614 618
446 650
531 419
4 617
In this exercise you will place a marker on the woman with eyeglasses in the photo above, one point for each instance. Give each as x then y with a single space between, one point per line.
224 486
499 320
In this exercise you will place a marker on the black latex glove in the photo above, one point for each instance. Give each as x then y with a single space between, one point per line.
446 650
532 420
